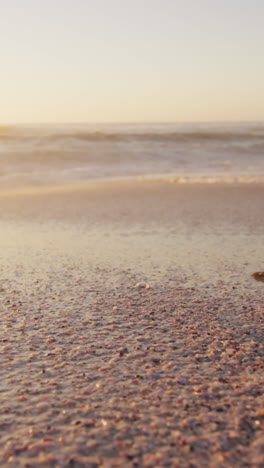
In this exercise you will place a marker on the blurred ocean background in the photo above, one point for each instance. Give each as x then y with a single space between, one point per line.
204 152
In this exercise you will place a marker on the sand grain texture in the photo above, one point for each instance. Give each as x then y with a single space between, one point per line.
96 371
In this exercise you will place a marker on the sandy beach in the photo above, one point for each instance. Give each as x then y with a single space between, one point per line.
131 326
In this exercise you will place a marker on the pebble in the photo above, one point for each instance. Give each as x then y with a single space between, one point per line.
258 276
142 285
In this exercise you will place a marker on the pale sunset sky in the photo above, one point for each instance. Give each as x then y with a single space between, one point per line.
131 60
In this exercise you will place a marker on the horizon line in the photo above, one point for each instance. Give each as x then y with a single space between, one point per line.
130 122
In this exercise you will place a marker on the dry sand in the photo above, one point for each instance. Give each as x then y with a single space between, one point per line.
96 371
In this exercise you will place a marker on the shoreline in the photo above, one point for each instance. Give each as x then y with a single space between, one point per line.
206 232
8 190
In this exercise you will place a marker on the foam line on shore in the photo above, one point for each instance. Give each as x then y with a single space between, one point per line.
104 183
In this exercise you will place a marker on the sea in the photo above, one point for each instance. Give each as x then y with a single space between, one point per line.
182 152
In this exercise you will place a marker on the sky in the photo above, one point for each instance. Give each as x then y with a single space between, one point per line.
131 60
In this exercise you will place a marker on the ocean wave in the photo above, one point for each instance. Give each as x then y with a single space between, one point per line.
84 152
185 135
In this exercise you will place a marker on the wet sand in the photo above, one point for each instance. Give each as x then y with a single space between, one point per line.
98 371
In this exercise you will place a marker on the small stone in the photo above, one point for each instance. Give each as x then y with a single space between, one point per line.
156 361
258 276
142 285
123 351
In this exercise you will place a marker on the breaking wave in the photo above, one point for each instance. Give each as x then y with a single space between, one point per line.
253 133
86 152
